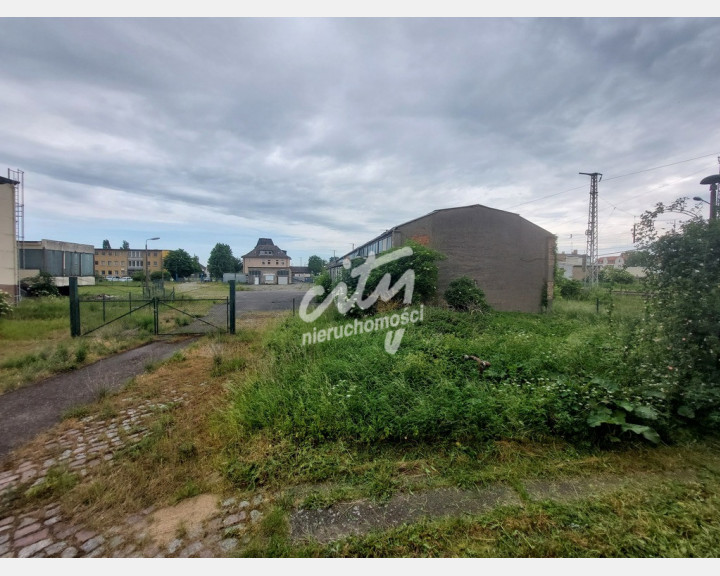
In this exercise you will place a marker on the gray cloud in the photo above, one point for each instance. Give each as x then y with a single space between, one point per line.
348 126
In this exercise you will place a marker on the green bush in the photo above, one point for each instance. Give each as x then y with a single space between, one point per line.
40 285
5 307
464 295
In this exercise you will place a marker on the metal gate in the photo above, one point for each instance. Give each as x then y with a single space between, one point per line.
161 315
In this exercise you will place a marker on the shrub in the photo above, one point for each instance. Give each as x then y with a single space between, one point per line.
5 308
40 285
464 295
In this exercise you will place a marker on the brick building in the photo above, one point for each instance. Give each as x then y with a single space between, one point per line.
511 259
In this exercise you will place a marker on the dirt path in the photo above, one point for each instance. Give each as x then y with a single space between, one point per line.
29 410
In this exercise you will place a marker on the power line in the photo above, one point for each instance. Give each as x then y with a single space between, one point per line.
614 178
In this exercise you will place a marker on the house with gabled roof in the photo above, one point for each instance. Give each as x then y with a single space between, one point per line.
267 264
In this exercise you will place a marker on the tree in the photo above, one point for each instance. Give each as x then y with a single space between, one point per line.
316 265
180 264
221 260
126 245
106 245
615 276
681 337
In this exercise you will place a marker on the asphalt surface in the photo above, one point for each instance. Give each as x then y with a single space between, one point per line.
29 410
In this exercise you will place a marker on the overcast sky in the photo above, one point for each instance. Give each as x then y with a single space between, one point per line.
323 133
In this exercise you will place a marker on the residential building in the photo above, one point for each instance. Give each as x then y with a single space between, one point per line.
511 259
8 249
118 262
612 261
61 260
267 264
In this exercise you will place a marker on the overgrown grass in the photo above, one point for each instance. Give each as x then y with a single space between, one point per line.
547 374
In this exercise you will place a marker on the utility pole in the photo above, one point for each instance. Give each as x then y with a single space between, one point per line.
591 263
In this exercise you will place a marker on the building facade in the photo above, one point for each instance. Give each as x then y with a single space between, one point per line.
121 263
267 264
8 242
61 260
511 259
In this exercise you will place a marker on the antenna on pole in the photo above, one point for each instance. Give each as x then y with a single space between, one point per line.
591 275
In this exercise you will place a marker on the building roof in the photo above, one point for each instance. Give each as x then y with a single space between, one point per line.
391 230
4 180
300 270
266 245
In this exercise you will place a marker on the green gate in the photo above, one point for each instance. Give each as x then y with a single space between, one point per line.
162 315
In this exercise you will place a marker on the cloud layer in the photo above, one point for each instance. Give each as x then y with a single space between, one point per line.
320 133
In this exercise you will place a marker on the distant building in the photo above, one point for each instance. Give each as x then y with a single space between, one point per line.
267 264
573 265
59 259
8 242
511 259
612 262
300 273
117 262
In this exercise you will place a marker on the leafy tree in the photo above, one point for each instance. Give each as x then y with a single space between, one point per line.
126 245
681 337
106 245
221 260
637 258
615 276
180 264
423 262
463 294
316 265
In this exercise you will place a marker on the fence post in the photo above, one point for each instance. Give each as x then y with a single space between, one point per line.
103 308
75 329
156 314
232 307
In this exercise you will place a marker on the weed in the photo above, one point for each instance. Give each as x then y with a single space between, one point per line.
77 412
58 480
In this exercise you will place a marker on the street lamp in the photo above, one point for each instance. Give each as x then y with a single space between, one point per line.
713 181
147 284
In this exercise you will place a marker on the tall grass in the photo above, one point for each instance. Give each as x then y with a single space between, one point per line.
546 373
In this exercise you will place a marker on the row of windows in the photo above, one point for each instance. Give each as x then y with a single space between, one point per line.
131 263
277 263
132 253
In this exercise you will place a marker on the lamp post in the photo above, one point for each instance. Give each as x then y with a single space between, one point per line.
147 271
713 181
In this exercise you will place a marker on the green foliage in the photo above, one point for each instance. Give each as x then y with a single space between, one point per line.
5 307
423 262
615 276
158 275
316 265
639 258
138 276
125 245
40 285
682 333
324 280
180 264
545 379
106 245
221 260
464 295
